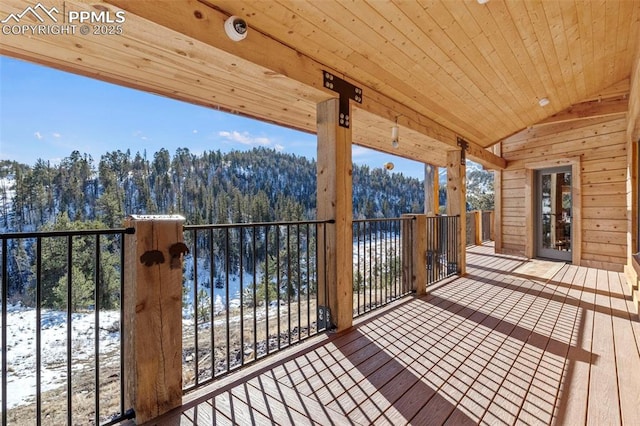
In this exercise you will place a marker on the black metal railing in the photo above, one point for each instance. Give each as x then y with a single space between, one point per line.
442 247
62 346
486 225
249 290
379 262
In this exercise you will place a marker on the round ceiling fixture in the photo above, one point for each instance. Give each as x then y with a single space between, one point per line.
236 28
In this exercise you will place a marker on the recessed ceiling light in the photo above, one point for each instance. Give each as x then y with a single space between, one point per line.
483 1
543 102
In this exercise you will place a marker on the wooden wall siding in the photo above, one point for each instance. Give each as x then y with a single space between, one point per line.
601 145
633 140
633 130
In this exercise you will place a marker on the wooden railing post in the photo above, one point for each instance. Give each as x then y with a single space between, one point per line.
419 254
407 238
414 253
479 224
153 315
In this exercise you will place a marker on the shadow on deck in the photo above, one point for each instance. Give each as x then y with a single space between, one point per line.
514 341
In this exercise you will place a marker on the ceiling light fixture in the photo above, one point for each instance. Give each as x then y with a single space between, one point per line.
395 132
483 1
543 102
236 28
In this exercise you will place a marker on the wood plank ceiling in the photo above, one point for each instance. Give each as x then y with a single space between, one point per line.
441 68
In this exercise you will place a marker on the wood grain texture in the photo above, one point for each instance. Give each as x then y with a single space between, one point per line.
153 315
447 69
335 203
193 19
497 346
599 166
456 201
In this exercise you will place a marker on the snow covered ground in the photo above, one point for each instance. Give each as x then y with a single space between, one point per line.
21 331
21 348
21 345
7 193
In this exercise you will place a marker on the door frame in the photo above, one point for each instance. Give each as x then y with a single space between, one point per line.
539 249
530 203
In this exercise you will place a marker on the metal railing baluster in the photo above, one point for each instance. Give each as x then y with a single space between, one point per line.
68 249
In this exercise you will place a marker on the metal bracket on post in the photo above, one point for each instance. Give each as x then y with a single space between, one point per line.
464 145
346 91
324 318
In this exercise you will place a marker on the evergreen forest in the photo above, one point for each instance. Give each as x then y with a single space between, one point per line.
260 185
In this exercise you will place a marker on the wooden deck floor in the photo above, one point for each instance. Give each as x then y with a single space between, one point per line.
503 345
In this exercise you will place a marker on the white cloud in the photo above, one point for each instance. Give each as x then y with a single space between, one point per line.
138 134
57 135
262 141
38 135
279 147
245 138
360 151
195 131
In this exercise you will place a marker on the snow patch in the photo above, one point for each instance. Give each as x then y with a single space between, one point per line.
21 348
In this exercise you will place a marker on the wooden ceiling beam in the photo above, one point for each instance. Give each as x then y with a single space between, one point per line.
205 23
616 90
591 109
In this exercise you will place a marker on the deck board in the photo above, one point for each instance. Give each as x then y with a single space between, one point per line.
540 399
627 359
573 398
603 406
498 346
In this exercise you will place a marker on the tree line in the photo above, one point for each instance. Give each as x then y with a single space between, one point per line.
260 185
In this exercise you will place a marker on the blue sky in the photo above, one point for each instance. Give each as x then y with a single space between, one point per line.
46 113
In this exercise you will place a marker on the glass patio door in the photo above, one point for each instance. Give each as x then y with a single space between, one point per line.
553 214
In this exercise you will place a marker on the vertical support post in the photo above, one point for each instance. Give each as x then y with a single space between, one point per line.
632 196
529 206
631 271
334 201
492 228
457 201
478 218
496 235
153 315
431 187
